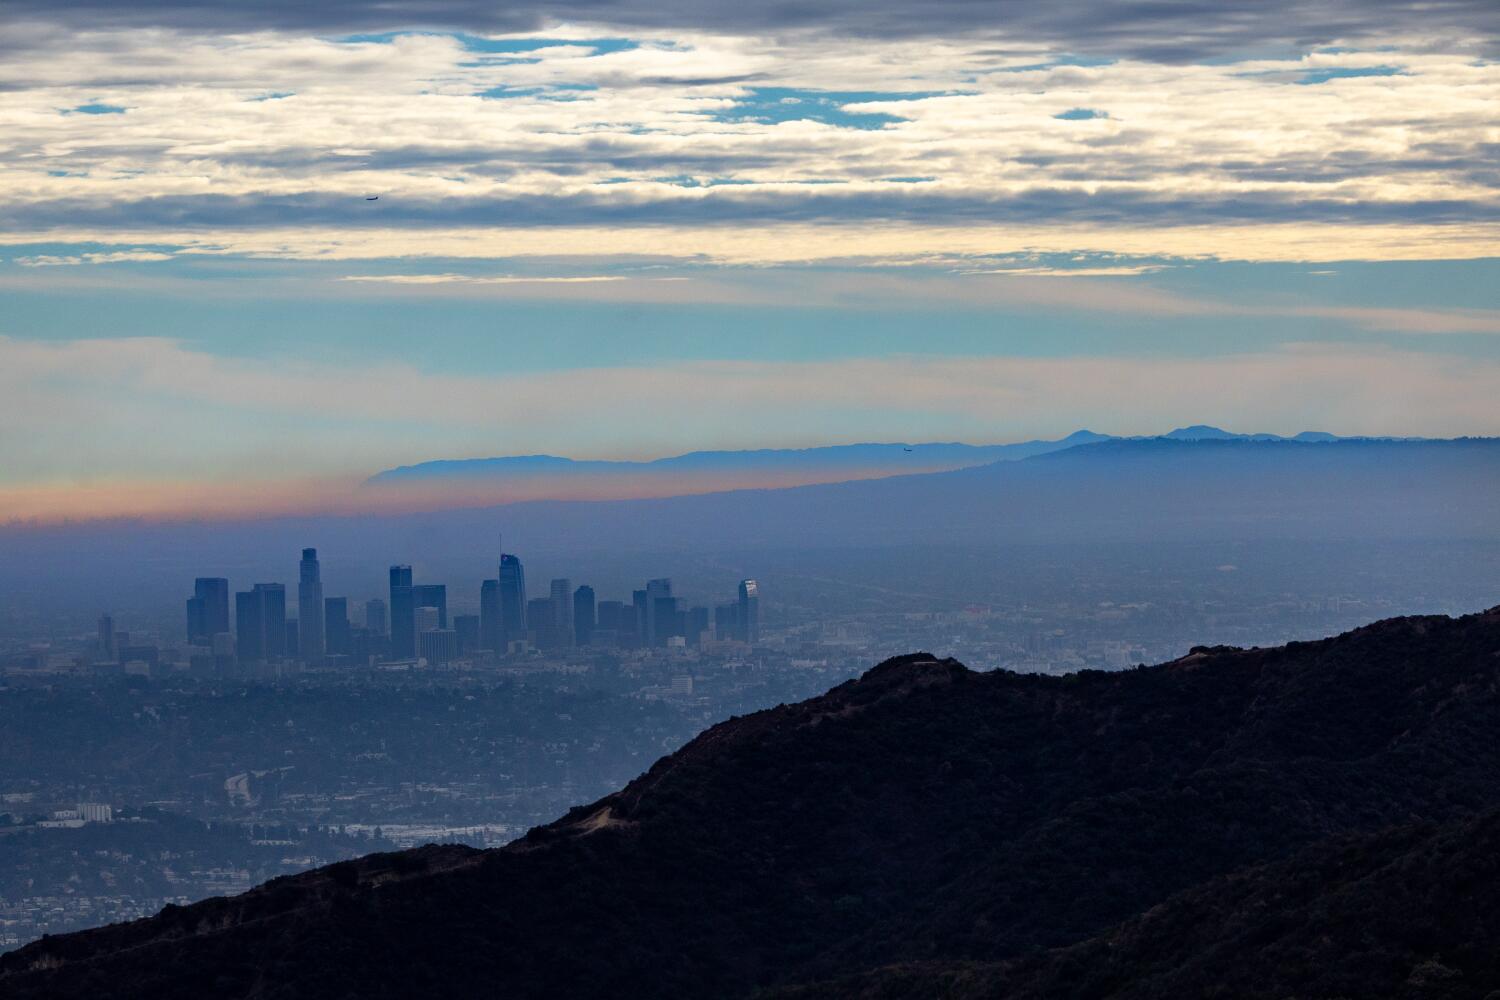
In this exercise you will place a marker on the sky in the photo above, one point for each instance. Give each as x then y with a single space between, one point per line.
251 254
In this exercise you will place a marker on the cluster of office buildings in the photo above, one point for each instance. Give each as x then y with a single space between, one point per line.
413 625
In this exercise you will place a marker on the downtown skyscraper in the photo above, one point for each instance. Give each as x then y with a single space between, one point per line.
562 612
432 595
207 609
403 612
260 622
377 619
310 612
583 615
491 627
512 598
749 615
336 625
660 606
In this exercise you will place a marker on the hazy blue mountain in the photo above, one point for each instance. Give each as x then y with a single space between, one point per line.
1156 489
899 458
1207 432
507 479
857 456
515 478
1204 432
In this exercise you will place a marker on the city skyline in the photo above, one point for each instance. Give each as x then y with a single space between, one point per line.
415 625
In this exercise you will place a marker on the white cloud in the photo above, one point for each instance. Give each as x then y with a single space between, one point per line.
111 257
472 279
1122 271
855 243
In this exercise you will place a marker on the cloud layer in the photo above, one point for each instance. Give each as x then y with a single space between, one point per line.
1174 30
185 139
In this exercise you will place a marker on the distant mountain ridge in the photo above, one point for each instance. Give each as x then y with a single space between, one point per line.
1314 820
515 478
855 455
527 477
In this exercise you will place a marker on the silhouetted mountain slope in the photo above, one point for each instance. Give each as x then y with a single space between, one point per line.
921 814
1412 911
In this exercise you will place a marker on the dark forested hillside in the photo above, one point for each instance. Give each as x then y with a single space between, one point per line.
1412 911
927 829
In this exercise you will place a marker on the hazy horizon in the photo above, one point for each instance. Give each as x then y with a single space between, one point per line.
456 483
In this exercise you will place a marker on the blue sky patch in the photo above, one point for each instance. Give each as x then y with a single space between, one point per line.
551 92
774 105
1317 76
1067 59
508 93
1081 114
95 108
688 181
497 46
601 46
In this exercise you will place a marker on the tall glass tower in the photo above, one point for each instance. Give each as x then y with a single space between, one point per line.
512 598
562 611
260 622
336 625
583 615
403 615
491 630
749 611
208 609
310 623
658 604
